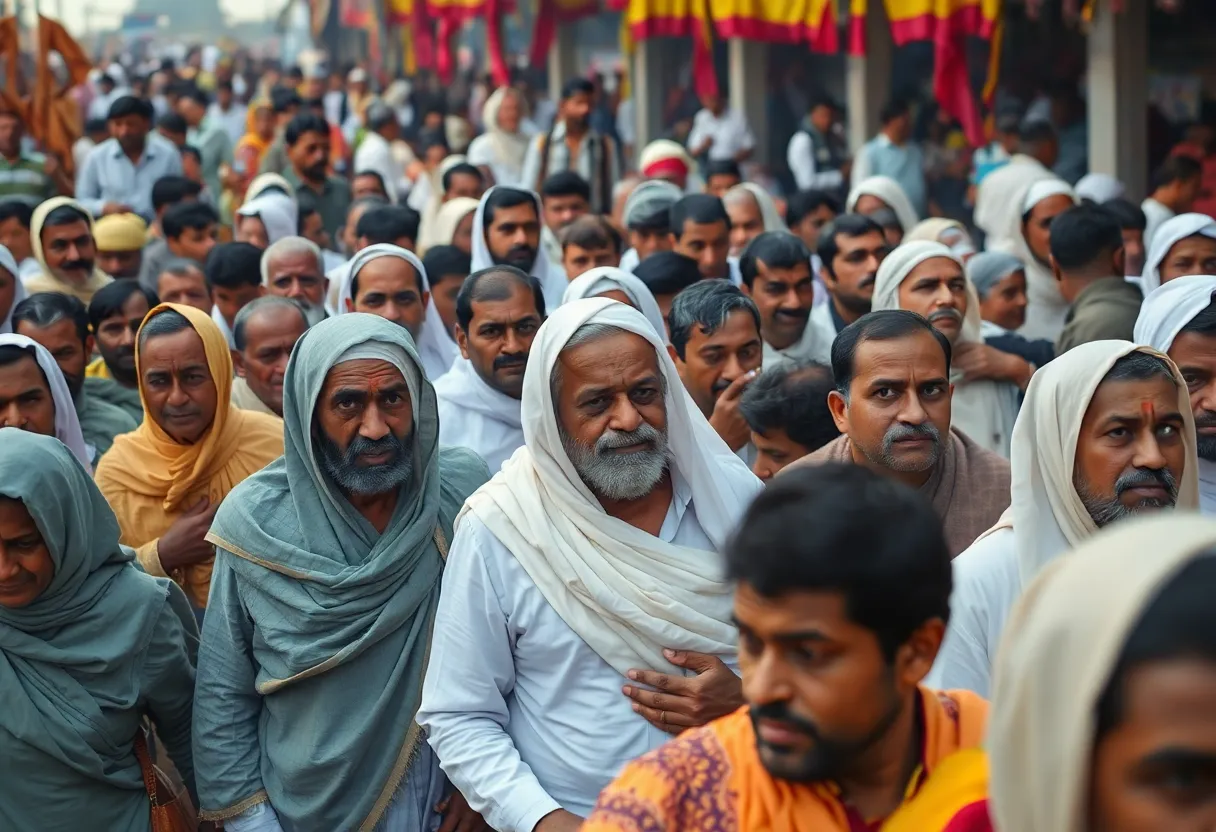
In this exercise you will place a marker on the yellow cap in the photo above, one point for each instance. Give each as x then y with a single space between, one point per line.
120 232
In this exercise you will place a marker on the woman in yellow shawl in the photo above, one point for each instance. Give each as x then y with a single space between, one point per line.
165 490
259 134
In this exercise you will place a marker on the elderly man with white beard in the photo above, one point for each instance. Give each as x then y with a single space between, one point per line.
584 612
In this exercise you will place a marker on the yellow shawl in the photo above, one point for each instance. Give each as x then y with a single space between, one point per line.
45 281
149 479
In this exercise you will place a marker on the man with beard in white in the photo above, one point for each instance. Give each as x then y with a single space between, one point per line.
1105 433
498 313
587 567
1179 319
507 231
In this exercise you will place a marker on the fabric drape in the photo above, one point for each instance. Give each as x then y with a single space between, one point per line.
45 281
9 264
552 279
278 213
447 218
67 423
1170 233
606 278
890 192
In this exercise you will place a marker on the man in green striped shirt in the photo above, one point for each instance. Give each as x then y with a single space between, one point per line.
24 174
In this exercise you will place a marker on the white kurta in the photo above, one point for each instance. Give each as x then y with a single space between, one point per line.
474 415
525 717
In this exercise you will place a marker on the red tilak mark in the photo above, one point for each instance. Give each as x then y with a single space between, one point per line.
1149 411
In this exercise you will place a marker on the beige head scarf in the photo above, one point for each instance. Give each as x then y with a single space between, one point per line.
47 281
890 192
447 218
509 148
950 233
1061 644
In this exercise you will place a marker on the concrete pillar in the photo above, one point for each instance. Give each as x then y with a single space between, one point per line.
748 66
646 87
868 78
563 60
1118 94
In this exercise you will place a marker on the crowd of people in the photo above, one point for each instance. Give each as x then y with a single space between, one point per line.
456 482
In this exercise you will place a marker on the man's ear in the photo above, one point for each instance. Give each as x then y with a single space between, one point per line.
839 408
238 362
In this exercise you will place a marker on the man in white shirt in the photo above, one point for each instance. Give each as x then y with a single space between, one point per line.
375 152
498 313
587 566
1105 433
720 132
817 154
1176 184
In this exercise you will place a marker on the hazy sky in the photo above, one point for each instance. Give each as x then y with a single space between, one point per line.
107 14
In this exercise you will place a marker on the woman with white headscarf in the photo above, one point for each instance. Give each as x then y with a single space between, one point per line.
1046 307
982 409
1167 312
12 289
620 286
1163 263
745 204
426 198
504 144
887 191
448 222
277 215
67 424
435 346
552 279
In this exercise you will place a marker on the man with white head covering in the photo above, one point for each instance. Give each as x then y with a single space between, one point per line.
1183 245
390 282
507 231
589 562
776 271
1105 433
34 396
326 581
1179 319
996 196
607 282
501 149
1099 188
879 192
751 212
266 220
647 219
1027 236
926 278
498 313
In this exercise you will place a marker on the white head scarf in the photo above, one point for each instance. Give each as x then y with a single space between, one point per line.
1162 316
1169 234
447 218
436 348
9 264
626 593
264 181
890 192
509 148
1099 187
278 214
1046 513
551 278
1061 644
606 278
768 210
933 229
899 264
998 197
67 425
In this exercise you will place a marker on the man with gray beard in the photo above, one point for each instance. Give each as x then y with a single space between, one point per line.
1105 433
892 405
584 612
294 268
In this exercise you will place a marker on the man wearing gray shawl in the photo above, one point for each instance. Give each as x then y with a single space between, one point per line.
324 592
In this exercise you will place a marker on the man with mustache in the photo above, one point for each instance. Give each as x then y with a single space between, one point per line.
294 268
776 271
507 229
61 234
584 570
263 336
115 314
1105 433
892 405
839 729
327 571
498 313
60 323
307 141
928 279
850 249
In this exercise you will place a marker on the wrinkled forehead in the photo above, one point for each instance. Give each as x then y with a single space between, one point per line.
607 356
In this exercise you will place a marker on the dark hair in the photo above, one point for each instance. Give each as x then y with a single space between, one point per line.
1037 132
253 307
1082 235
462 169
893 109
172 123
700 209
566 183
776 250
793 398
707 304
1203 323
444 261
1139 366
575 86
884 325
502 197
667 272
65 215
191 150
432 138
799 206
196 95
302 123
388 224
305 208
283 99
44 309
169 190
18 209
193 215
591 231
1176 169
1179 622
11 354
722 167
658 222
491 284
224 85
165 322
96 125
110 299
1127 213
419 278
129 105
233 265
897 576
375 175
848 225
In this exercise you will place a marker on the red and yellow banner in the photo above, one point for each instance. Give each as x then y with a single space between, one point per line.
812 22
549 13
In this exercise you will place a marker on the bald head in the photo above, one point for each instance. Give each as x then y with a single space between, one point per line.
264 333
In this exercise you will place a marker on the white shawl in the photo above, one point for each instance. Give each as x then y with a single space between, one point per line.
1169 234
768 209
436 348
278 213
550 276
985 410
1162 316
626 593
67 425
890 192
604 279
474 415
